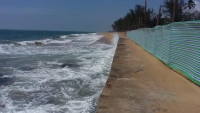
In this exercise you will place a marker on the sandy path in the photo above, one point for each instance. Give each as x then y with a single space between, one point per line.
139 83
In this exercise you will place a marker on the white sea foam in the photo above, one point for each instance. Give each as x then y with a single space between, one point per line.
92 33
67 89
77 35
64 36
28 47
115 39
3 48
46 41
59 41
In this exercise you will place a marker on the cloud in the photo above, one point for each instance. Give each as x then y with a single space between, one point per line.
197 7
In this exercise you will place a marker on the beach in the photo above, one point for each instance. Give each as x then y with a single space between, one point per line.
139 83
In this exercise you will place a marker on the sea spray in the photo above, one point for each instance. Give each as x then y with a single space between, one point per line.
115 39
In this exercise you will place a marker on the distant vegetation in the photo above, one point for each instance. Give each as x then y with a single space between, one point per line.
169 11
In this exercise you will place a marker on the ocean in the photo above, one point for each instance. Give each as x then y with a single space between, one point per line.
53 71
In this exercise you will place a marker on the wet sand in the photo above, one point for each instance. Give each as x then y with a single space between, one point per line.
139 83
107 37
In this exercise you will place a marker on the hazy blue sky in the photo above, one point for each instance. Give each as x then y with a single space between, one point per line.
74 15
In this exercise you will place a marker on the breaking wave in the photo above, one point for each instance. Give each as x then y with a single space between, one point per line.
64 75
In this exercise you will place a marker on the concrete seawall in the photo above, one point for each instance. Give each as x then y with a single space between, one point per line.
139 83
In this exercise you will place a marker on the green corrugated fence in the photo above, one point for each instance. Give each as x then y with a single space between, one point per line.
177 45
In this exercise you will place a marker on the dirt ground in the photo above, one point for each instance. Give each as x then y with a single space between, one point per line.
139 83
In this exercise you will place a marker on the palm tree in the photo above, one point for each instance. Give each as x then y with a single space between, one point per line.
159 14
145 8
190 4
174 10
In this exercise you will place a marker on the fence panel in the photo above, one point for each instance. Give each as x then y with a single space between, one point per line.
177 45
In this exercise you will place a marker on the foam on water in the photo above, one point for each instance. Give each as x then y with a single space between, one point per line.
64 36
34 48
46 41
77 35
41 85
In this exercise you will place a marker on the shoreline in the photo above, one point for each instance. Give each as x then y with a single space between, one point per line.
140 83
107 37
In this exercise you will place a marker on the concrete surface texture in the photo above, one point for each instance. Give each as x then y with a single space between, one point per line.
139 83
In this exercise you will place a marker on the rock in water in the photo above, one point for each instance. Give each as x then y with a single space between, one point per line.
38 43
2 105
5 81
69 65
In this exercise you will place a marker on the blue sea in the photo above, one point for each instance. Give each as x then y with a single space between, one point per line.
53 71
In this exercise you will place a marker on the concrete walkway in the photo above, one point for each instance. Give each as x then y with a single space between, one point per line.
139 83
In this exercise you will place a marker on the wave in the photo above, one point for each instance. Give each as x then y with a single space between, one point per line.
66 78
77 35
53 46
44 42
115 39
64 36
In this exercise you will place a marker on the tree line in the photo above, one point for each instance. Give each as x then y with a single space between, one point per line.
143 17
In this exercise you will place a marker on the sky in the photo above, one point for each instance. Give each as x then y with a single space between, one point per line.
67 15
